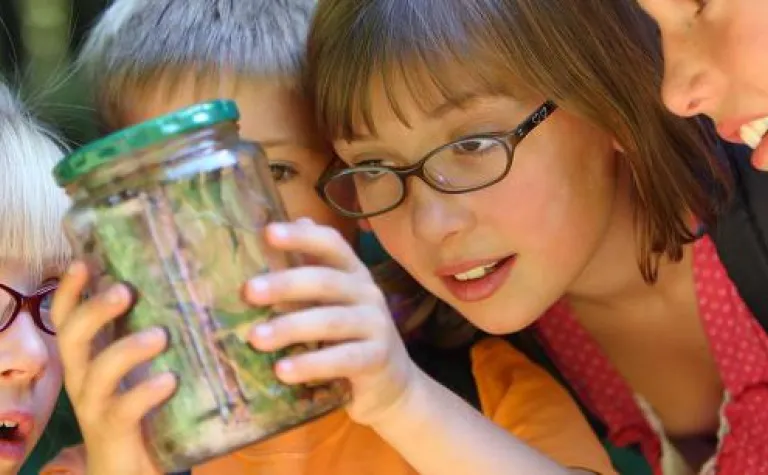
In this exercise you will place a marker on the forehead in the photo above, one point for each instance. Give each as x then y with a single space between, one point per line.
22 275
271 109
418 93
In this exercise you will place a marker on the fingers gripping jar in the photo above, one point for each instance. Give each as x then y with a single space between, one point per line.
176 208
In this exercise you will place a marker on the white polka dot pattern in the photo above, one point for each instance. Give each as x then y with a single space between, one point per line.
740 349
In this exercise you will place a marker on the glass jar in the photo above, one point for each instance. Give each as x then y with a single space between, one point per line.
176 207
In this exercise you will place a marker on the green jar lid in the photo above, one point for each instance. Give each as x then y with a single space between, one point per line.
143 135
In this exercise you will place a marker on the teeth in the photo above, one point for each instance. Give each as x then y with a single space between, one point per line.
8 424
753 132
476 273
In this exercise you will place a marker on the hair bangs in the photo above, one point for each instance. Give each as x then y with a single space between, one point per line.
31 205
444 58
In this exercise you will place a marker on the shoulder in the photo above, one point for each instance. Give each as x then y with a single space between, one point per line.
524 399
507 378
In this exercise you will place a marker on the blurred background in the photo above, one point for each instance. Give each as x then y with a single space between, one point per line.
38 42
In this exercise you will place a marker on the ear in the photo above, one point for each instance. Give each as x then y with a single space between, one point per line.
364 225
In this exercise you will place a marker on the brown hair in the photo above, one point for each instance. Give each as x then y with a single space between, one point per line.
595 58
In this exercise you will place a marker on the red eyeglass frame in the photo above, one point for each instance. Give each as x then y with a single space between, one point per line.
31 303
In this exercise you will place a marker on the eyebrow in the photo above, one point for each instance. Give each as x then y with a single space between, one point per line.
447 106
435 113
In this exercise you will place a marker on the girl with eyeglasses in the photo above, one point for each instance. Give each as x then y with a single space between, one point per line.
35 418
515 158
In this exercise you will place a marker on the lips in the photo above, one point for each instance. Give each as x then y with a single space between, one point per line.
752 132
730 129
473 281
15 430
467 266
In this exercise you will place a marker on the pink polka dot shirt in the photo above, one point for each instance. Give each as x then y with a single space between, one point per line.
740 349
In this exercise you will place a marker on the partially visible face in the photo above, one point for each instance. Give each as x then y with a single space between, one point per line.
501 255
274 115
714 52
30 373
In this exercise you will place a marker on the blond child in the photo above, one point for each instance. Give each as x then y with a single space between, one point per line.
36 421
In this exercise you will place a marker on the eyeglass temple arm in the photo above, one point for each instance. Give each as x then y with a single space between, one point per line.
536 118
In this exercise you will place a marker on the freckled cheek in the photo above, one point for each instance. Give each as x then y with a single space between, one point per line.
554 217
530 220
396 236
749 59
738 43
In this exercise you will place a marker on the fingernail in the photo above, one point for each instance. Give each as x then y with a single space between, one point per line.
153 335
279 230
305 220
258 285
163 380
116 294
284 367
262 331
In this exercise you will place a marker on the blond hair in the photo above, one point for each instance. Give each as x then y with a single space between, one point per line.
138 43
31 205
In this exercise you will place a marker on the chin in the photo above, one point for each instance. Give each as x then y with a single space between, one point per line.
498 319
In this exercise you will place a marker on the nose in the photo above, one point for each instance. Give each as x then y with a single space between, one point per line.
24 354
690 81
436 217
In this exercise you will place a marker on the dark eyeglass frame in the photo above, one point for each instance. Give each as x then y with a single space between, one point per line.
31 303
509 140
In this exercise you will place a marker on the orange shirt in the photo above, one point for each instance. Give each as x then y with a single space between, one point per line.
514 393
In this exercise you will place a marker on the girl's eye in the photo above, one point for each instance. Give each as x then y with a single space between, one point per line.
46 299
371 174
374 174
375 162
476 145
46 291
282 171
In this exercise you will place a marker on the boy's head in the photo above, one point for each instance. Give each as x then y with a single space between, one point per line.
146 58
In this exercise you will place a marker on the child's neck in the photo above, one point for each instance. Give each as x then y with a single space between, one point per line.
613 277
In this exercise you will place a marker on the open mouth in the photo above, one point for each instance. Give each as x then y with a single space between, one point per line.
10 431
15 431
753 132
481 271
480 282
